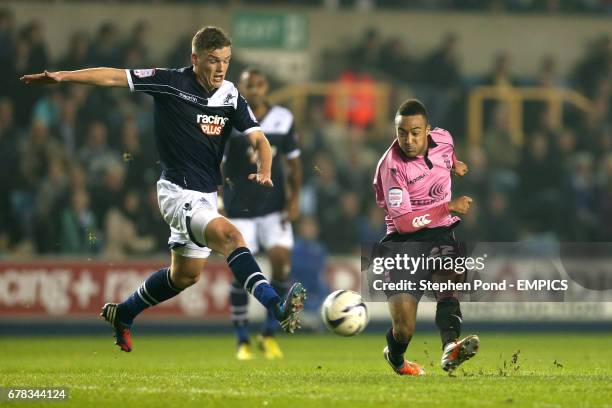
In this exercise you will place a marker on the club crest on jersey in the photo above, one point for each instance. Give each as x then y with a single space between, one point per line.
447 161
211 125
228 99
144 73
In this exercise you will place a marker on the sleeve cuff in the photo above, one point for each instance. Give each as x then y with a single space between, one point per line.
294 154
251 130
129 79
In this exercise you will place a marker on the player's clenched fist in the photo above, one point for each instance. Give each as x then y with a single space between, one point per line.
261 179
460 168
460 205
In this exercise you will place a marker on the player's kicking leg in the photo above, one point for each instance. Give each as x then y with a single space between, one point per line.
403 308
206 230
223 237
454 351
449 320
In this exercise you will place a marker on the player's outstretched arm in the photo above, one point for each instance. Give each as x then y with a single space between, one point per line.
91 76
264 167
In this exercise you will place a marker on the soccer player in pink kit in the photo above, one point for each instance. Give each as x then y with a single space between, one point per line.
413 185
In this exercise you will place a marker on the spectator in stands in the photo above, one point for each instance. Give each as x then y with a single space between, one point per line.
441 78
604 199
104 50
581 197
342 234
138 41
308 263
499 221
594 66
567 146
440 68
38 55
327 191
107 194
9 162
472 224
365 55
501 150
179 54
39 148
139 161
97 155
79 227
77 56
49 199
548 75
67 127
396 62
47 108
40 128
124 227
500 74
540 181
372 227
7 52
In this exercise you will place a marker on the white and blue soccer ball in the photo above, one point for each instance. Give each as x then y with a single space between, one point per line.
345 313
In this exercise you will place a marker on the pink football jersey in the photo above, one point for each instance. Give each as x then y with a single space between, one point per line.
415 192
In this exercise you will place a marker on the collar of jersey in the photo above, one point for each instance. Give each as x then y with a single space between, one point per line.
430 145
207 94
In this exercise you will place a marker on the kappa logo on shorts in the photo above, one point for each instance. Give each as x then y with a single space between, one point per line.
421 221
211 125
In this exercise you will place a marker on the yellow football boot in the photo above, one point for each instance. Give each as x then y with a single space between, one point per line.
244 352
270 347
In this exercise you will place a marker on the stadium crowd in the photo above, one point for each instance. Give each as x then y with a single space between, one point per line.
78 166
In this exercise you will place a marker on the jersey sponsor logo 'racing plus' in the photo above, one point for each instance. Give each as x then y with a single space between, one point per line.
421 221
211 125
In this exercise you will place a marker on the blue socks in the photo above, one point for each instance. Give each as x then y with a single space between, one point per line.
156 289
159 288
248 274
271 324
239 301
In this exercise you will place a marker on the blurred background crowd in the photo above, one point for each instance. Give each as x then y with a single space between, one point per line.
512 6
78 164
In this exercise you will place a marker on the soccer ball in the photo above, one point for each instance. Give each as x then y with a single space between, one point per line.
344 313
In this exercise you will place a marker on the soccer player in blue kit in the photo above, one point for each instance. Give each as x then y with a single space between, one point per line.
195 111
263 215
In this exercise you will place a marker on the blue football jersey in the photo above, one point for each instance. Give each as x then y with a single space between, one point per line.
192 125
241 197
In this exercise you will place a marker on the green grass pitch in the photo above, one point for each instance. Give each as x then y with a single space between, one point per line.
511 370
